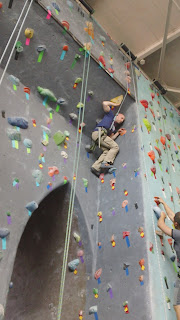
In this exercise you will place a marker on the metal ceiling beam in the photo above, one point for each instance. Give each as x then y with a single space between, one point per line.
157 45
161 61
172 89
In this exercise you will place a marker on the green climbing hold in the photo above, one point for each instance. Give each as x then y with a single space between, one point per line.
85 181
78 80
47 93
95 291
147 124
59 138
67 134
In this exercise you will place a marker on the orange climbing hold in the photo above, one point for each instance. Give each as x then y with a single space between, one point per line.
151 155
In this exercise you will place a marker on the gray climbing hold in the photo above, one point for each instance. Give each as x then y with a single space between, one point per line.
27 143
66 133
108 287
18 122
13 134
4 232
73 116
50 110
61 101
37 174
56 7
14 80
157 212
90 93
93 309
41 48
47 130
31 206
1 312
73 264
173 258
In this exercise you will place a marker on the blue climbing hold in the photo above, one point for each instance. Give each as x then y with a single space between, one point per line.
18 122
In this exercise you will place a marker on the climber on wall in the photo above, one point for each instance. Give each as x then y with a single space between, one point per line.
175 234
104 135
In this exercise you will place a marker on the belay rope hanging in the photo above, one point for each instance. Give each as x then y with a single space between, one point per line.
74 179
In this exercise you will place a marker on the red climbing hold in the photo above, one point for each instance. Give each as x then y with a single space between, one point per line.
151 155
102 60
158 150
153 169
163 141
152 95
144 104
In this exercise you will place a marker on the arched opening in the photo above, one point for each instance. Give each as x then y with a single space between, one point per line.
37 268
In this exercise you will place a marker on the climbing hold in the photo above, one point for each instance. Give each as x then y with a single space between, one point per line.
126 308
47 93
47 130
100 216
95 292
78 80
64 154
27 143
125 205
29 33
80 105
144 104
102 60
151 247
15 81
45 142
163 141
76 237
153 170
85 182
98 273
113 241
10 285
37 174
141 279
147 124
41 48
4 232
158 150
31 206
93 309
13 134
103 40
1 312
52 171
141 231
18 122
73 116
59 138
157 212
61 101
72 265
112 183
151 155
142 263
56 7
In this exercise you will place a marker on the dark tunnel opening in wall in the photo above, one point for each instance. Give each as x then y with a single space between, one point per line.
38 263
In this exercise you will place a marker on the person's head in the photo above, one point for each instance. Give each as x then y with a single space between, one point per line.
120 118
177 220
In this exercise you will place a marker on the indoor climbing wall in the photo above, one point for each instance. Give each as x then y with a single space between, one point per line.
160 146
42 88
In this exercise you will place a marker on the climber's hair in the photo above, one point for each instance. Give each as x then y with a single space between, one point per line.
177 218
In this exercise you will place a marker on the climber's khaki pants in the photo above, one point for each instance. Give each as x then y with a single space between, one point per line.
109 152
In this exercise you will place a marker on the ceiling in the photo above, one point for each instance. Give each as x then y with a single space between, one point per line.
140 24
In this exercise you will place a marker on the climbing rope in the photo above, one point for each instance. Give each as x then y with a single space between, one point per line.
152 215
112 124
73 186
7 45
7 64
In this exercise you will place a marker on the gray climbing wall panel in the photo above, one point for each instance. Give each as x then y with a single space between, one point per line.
56 75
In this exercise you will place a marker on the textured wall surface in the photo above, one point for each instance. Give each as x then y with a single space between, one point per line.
167 179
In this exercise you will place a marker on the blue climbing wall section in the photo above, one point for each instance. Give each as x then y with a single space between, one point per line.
159 119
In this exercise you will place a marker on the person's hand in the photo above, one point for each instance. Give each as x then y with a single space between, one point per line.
163 215
159 199
121 131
